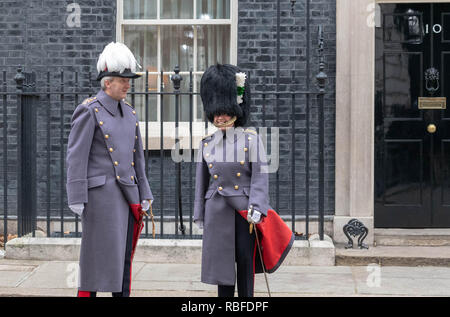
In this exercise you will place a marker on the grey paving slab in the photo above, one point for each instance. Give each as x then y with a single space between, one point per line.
428 272
12 278
60 275
173 286
406 287
21 262
59 278
314 270
402 281
173 293
303 282
168 272
17 268
53 275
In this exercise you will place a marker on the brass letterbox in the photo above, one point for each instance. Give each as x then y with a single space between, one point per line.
432 103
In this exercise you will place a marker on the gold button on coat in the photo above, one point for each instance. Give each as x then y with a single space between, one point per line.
220 187
216 177
238 174
101 123
134 112
132 177
111 149
134 150
132 163
242 162
245 149
116 163
96 109
106 136
210 165
137 124
206 144
236 187
118 177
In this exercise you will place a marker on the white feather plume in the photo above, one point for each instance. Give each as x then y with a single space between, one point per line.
116 57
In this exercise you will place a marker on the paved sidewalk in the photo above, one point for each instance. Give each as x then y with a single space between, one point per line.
59 278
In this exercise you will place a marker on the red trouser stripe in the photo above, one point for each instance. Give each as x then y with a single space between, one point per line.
86 294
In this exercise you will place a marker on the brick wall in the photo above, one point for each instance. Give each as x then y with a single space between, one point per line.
257 48
35 34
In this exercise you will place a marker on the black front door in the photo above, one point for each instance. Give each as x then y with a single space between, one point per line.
412 121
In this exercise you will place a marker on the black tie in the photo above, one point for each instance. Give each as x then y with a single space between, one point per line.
120 109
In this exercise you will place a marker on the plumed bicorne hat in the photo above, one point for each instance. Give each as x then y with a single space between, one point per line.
218 90
116 60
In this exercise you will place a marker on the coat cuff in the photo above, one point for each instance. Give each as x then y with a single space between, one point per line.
199 210
144 189
258 208
77 192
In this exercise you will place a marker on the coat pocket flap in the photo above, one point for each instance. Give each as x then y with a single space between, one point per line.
96 181
131 183
130 191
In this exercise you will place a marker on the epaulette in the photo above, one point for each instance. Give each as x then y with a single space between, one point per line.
88 100
126 102
207 136
250 131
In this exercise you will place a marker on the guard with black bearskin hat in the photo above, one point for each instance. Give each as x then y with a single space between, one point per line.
106 181
232 190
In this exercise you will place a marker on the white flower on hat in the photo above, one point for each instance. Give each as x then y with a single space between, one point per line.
116 57
240 82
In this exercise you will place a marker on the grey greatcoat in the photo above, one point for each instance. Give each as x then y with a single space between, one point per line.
105 171
231 176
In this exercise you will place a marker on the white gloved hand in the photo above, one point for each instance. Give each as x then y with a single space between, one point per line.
199 224
254 217
77 208
145 204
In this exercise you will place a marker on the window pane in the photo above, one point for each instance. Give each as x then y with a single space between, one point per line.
213 9
139 9
143 42
177 9
213 45
177 47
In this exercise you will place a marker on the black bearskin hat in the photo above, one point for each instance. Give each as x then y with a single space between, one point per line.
218 90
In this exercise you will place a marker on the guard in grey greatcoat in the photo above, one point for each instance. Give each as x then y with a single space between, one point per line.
231 177
106 180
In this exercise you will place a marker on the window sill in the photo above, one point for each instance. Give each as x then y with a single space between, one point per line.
154 134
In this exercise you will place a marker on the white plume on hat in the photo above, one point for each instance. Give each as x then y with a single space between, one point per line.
116 57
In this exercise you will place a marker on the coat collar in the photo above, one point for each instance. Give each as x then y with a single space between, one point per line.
109 103
230 133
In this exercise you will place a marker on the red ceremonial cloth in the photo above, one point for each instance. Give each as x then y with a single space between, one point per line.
275 238
136 209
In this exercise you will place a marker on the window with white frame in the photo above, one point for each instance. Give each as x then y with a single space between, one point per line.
162 34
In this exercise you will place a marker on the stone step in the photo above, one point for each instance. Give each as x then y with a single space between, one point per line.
412 237
395 256
303 252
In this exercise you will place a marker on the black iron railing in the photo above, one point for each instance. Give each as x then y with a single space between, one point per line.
42 117
35 122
